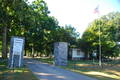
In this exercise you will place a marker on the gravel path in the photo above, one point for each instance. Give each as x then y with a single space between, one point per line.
46 71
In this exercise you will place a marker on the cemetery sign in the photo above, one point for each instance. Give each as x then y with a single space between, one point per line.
16 51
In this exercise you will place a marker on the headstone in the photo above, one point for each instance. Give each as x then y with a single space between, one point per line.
60 53
16 51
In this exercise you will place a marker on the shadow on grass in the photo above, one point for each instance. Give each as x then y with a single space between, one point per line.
22 73
98 74
108 73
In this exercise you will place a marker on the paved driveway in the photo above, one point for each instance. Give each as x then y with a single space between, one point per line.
45 71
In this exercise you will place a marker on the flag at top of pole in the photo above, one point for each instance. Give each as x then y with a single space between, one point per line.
96 10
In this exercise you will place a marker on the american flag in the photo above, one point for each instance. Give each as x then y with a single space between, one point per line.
96 10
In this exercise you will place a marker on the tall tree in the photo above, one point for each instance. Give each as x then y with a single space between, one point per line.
9 11
41 23
109 28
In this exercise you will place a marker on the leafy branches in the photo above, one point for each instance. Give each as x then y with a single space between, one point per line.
109 32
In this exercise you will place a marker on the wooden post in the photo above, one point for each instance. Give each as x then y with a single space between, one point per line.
108 62
114 61
102 63
13 65
93 64
74 64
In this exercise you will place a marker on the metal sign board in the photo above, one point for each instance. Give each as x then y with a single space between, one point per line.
17 46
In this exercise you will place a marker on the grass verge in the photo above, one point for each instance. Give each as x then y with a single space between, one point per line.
22 73
108 73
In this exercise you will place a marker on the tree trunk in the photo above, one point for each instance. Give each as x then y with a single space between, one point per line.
40 54
86 55
37 54
25 47
33 51
25 51
25 44
4 47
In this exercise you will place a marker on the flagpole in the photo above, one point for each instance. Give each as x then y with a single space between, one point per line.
99 38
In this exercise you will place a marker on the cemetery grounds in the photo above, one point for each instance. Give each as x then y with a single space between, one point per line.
22 73
107 73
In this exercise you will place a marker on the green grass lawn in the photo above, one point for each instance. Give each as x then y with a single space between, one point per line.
50 61
22 73
108 73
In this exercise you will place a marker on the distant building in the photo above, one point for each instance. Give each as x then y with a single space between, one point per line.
75 53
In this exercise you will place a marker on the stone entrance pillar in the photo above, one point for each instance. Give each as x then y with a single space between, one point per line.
16 51
60 53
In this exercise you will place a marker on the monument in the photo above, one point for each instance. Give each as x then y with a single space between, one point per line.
60 53
16 51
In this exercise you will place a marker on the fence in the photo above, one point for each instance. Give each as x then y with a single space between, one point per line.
93 64
6 67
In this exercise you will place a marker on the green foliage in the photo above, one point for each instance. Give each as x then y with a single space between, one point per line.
32 22
60 34
109 28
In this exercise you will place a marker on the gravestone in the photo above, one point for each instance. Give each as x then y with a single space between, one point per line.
16 51
60 53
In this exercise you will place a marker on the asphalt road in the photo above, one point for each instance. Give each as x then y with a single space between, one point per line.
46 71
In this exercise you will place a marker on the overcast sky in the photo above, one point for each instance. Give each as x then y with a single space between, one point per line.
79 13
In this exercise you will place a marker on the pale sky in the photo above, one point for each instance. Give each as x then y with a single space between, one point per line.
78 13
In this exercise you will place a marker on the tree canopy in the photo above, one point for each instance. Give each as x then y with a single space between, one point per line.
31 21
41 31
109 32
